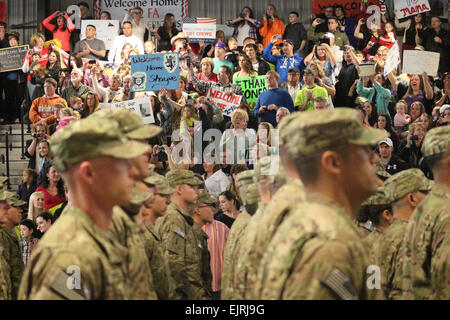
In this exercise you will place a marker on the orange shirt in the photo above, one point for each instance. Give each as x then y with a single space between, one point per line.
268 30
42 109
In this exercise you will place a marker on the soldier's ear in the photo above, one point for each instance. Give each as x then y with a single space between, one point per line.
331 162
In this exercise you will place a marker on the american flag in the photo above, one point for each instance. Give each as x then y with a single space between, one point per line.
97 9
64 55
199 20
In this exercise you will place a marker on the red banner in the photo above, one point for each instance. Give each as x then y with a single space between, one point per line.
352 8
3 11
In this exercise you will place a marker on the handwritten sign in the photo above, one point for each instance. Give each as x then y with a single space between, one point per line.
150 72
106 30
252 88
226 103
142 106
366 69
406 8
12 58
417 62
198 29
392 59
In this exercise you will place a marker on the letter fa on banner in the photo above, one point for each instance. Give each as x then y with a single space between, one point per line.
374 280
74 280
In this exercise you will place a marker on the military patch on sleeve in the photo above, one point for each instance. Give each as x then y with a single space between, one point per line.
340 284
59 285
179 231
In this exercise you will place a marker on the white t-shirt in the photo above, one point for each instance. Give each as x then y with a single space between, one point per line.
255 66
217 183
244 32
119 42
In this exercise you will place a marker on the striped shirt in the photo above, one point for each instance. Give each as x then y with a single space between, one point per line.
217 239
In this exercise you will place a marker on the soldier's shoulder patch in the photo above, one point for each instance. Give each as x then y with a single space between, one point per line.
179 231
340 284
60 286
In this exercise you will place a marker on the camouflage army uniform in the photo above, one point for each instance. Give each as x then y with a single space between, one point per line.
318 252
13 257
5 279
76 259
152 244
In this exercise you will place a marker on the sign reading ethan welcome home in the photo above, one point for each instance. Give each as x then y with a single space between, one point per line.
12 58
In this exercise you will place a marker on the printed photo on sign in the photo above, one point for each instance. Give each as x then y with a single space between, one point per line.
151 72
200 29
106 30
141 106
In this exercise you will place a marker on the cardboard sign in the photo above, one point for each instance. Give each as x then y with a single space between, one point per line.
12 58
406 8
198 29
392 59
106 30
142 107
418 62
226 103
366 69
151 72
252 88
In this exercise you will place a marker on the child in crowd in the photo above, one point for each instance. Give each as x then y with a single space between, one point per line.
401 118
389 38
187 119
65 116
28 185
76 104
149 47
28 242
232 52
36 57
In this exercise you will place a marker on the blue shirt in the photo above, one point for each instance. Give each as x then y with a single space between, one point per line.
278 97
218 64
283 63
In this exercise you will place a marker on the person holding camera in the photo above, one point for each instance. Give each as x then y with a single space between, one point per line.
140 28
40 133
90 47
187 56
340 38
272 25
411 152
244 26
62 30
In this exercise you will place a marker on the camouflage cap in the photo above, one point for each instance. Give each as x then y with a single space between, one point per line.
381 171
3 179
13 199
378 198
407 181
2 195
436 141
182 176
151 168
205 197
139 196
270 167
245 177
316 131
90 138
250 195
160 182
130 123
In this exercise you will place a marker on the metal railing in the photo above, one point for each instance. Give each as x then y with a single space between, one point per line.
4 158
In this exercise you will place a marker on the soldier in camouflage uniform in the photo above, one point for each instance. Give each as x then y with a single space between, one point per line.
426 246
123 224
250 197
317 252
10 242
156 207
5 277
180 243
78 258
405 191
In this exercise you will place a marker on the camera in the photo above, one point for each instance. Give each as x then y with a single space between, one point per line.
324 40
162 155
185 45
93 61
414 137
35 135
242 16
188 62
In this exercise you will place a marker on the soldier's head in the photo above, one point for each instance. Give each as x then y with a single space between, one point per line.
437 153
270 175
161 191
4 206
15 210
186 186
331 149
377 209
93 156
248 190
406 190
205 208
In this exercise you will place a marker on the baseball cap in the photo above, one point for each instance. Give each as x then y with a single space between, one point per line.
288 41
90 138
250 195
328 35
443 108
311 132
160 182
407 181
387 141
379 198
221 45
205 198
182 176
130 123
436 141
3 179
245 177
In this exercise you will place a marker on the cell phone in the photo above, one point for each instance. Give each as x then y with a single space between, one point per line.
188 62
279 36
93 61
363 20
319 20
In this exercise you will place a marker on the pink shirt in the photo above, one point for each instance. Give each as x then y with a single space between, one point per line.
218 236
400 120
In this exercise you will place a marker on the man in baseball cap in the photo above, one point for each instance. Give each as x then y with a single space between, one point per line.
391 162
93 156
220 49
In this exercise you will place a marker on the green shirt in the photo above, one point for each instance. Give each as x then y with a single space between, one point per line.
317 92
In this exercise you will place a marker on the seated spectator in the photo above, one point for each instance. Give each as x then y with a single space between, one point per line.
416 110
244 26
371 112
264 134
42 108
340 39
259 65
90 105
43 156
382 96
54 65
76 88
401 118
149 47
28 242
297 33
66 116
207 67
391 163
281 113
52 187
95 71
272 99
208 51
305 97
38 74
121 40
216 181
44 221
40 132
320 103
293 84
245 68
444 116
123 71
229 206
28 185
427 120
90 48
411 152
285 61
166 32
219 57
271 25
385 122
108 93
445 93
35 205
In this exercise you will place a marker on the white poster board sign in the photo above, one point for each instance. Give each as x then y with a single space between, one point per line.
226 103
392 59
107 30
200 29
366 69
406 8
418 62
141 106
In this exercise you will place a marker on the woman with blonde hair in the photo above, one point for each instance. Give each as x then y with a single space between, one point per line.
35 205
322 53
207 74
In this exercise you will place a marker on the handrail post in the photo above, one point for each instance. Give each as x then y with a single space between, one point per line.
21 129
7 157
